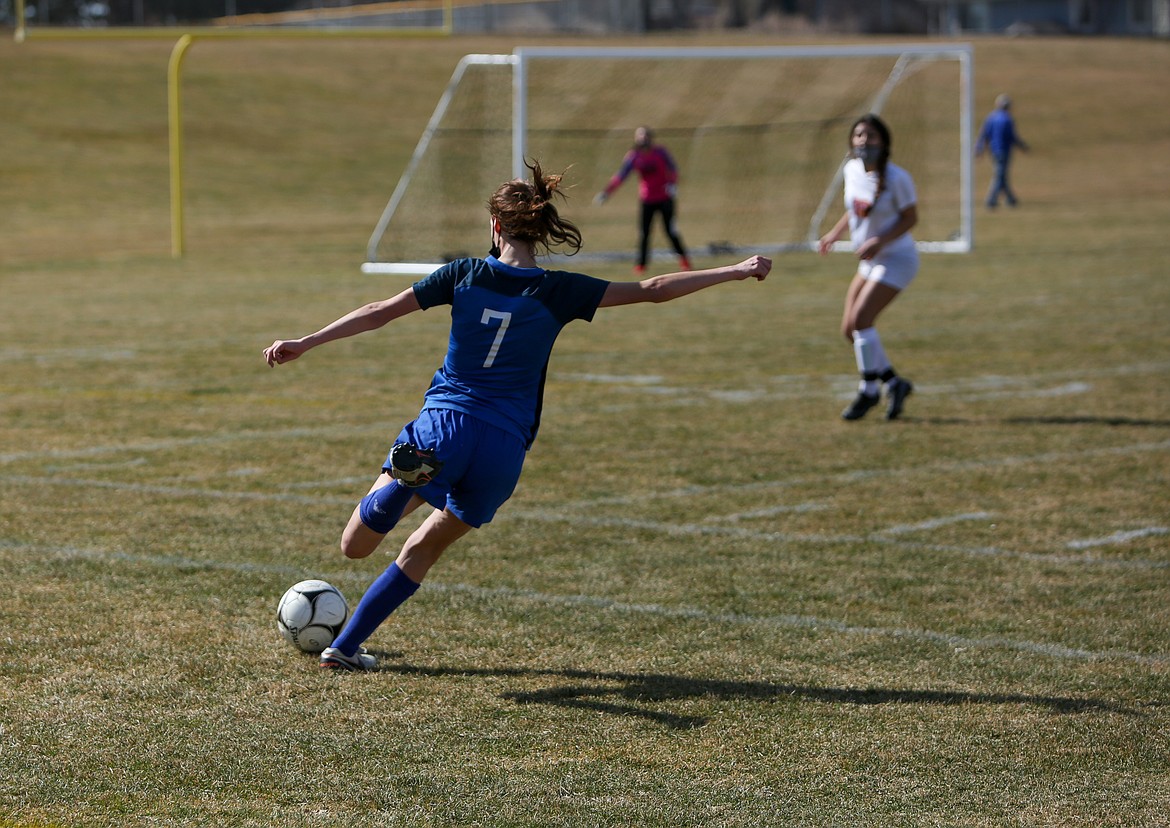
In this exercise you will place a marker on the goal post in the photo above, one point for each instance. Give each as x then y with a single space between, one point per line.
479 91
759 135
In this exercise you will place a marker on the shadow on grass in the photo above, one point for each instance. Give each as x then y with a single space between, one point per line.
1074 420
633 694
1055 421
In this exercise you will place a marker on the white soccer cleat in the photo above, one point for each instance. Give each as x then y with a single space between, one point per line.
333 659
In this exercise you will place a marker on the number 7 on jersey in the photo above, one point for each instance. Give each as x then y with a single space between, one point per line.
504 317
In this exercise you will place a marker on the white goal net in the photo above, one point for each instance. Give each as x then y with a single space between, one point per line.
759 136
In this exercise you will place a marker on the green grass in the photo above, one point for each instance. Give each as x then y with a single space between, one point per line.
710 602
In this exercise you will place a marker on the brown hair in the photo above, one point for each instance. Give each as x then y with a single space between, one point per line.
526 211
879 126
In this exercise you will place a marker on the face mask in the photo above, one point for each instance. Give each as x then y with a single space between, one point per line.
868 153
494 250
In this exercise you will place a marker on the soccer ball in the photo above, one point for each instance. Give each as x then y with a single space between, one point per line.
311 614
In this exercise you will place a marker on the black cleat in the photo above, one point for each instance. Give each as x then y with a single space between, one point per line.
858 408
413 466
897 391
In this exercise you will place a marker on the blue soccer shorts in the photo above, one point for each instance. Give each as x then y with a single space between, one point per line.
481 463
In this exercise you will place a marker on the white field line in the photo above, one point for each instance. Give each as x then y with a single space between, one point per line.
1050 384
614 379
842 478
989 387
564 513
770 511
1068 389
927 525
1118 537
660 527
150 446
498 594
985 382
839 389
816 539
184 491
858 475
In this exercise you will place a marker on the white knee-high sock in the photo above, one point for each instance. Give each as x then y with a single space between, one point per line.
872 362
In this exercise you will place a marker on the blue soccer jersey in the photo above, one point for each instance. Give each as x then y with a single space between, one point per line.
504 321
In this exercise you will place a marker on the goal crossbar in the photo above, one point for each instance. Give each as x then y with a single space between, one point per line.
908 57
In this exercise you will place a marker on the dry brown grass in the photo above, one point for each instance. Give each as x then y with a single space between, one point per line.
710 602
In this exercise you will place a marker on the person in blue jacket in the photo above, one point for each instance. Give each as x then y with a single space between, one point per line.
463 454
999 137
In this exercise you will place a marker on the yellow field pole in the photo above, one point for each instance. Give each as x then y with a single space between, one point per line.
186 37
175 131
175 106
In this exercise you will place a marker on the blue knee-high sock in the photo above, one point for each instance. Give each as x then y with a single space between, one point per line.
381 508
384 596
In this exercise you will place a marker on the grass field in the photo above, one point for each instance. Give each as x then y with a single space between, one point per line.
710 602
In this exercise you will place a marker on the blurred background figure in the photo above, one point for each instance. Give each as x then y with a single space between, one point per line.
656 191
999 136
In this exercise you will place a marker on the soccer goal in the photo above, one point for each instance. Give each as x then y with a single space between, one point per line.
759 135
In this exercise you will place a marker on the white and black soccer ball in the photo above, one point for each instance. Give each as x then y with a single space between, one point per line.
311 614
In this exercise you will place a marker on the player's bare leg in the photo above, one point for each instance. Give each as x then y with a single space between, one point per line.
864 302
428 542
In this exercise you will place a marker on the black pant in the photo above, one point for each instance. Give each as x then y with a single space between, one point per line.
666 208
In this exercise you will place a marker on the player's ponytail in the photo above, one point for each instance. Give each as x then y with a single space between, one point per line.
526 211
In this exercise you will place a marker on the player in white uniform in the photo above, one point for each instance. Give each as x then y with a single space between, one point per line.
880 208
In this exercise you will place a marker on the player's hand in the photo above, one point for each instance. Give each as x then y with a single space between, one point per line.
757 267
601 197
869 248
825 245
282 351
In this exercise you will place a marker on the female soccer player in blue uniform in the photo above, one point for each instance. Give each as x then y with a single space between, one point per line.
463 454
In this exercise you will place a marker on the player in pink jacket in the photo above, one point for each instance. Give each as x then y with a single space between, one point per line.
656 191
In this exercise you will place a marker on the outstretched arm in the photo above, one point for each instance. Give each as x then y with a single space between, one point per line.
673 285
617 179
366 318
833 236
